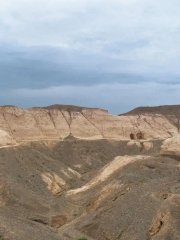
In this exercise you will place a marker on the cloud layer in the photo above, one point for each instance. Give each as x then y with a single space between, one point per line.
63 49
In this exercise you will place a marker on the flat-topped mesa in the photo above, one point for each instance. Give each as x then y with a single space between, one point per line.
70 120
71 108
57 122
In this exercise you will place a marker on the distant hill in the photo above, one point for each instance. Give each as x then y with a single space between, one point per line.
164 110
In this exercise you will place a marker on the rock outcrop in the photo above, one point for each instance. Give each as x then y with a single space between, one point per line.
171 146
6 139
58 121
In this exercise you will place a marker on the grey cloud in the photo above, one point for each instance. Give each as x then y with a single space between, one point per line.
78 46
45 67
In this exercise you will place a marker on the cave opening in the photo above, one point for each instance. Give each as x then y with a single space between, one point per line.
132 137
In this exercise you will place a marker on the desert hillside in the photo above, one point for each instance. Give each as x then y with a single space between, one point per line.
58 122
73 173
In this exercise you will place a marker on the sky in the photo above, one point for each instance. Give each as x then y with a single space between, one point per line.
115 55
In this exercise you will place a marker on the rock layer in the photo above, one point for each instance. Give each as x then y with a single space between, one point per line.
171 146
57 122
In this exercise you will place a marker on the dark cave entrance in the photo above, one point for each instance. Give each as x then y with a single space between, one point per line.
132 137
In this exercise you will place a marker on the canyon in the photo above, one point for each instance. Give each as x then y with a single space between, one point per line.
76 173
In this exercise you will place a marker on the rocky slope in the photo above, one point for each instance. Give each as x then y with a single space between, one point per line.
58 122
68 173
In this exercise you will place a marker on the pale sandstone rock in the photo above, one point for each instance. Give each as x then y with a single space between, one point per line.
45 122
110 126
55 123
21 124
60 122
55 184
171 146
6 139
137 143
81 127
148 145
152 126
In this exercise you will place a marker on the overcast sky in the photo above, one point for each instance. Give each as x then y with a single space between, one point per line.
115 55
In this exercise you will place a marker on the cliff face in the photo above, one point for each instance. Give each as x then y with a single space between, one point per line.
58 121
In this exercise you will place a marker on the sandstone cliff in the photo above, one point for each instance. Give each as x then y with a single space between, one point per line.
58 122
